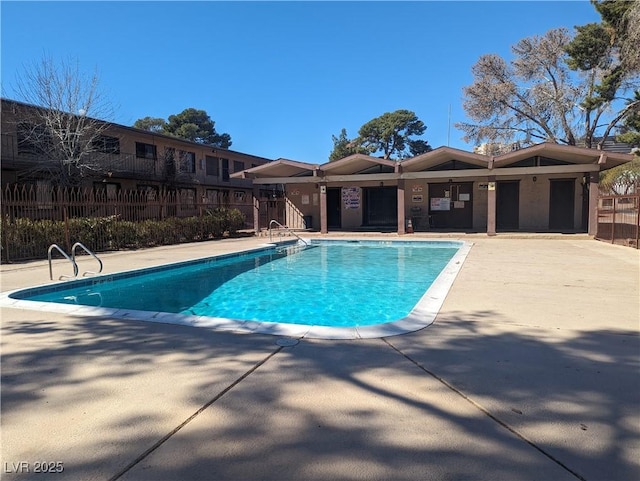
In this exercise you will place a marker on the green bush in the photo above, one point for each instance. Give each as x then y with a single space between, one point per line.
24 238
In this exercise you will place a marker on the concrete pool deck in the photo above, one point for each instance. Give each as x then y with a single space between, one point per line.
531 371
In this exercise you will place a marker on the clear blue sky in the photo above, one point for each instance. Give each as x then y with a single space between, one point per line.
280 77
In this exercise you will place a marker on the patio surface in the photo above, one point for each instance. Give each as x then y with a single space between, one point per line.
530 372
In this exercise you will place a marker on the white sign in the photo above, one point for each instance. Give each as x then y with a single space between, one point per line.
440 203
351 197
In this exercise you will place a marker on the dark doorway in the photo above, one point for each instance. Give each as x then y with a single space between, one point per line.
380 206
562 204
508 205
451 205
334 208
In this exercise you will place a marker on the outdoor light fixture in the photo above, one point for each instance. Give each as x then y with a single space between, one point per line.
535 178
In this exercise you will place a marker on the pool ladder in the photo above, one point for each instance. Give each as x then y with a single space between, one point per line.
273 221
72 259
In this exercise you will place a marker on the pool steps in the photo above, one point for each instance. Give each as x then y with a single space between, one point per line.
287 229
72 259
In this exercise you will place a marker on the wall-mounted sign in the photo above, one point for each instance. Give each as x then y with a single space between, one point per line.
440 203
417 198
416 188
351 197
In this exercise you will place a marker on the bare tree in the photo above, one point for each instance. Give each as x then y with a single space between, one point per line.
62 120
537 97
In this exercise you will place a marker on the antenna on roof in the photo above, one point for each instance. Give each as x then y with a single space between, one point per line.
449 127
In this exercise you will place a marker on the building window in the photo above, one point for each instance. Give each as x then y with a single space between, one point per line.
106 144
188 197
212 196
33 139
212 167
44 194
107 189
149 192
238 166
187 162
146 151
218 198
225 170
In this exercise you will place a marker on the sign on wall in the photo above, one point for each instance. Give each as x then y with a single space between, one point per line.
351 197
440 203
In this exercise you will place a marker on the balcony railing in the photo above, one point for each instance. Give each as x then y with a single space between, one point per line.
117 164
113 165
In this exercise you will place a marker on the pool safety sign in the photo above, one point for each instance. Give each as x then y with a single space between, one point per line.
351 197
440 203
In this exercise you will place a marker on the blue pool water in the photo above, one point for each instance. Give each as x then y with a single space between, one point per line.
330 283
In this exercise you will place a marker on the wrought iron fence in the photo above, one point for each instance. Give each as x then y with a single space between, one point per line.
34 217
619 219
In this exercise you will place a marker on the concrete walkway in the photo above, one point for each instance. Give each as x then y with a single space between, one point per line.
530 372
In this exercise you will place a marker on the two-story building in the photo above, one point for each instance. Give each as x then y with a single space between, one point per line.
134 160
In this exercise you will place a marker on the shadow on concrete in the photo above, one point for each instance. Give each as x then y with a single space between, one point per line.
405 408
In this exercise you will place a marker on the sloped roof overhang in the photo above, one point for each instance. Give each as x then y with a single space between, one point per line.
361 167
278 169
571 154
356 164
441 155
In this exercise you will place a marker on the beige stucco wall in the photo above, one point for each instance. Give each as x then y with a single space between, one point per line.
302 200
351 217
416 196
480 199
534 201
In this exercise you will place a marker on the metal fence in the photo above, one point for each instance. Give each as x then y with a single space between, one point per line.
34 217
619 219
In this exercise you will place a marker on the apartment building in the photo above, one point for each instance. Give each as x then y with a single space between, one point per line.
129 159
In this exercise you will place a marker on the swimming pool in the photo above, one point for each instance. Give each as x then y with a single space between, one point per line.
333 288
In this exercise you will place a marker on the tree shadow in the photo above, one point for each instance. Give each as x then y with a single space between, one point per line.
452 401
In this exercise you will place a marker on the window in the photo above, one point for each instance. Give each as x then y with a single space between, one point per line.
106 144
169 161
217 197
44 194
33 139
238 166
150 192
213 196
225 170
212 166
240 196
108 189
188 197
146 151
187 162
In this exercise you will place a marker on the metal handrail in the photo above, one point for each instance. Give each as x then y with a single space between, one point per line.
75 266
83 247
273 221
